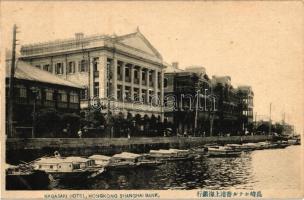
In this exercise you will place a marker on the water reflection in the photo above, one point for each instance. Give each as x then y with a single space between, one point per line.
249 171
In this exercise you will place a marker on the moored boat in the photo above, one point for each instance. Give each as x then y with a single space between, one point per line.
170 155
131 160
293 141
68 168
249 146
223 151
236 147
100 159
25 177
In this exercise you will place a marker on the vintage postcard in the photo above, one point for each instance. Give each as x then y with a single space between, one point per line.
141 100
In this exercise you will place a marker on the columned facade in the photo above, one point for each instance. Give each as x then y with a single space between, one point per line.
125 72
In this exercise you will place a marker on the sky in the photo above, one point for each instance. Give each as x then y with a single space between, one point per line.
256 43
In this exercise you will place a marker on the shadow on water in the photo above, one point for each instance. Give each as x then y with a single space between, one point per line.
205 172
260 169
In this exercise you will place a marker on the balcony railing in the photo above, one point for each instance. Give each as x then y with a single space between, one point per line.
119 105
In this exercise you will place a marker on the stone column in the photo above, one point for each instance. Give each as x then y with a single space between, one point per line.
91 79
155 84
103 80
140 82
132 82
114 78
162 94
148 85
123 80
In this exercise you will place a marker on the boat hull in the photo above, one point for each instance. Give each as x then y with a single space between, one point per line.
224 154
38 180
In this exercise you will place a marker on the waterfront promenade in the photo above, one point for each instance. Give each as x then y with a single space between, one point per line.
29 148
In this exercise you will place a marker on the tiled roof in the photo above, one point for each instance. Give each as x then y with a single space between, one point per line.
26 71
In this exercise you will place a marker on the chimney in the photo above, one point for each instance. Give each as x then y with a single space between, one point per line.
175 65
79 36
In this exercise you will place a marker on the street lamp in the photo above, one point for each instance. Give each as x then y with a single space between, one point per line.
35 92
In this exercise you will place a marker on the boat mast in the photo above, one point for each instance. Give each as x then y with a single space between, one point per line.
269 132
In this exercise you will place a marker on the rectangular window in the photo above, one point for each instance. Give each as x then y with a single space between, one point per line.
143 75
47 68
150 76
59 68
96 89
83 66
71 67
74 97
49 95
95 64
38 66
22 92
62 96
135 74
84 94
127 71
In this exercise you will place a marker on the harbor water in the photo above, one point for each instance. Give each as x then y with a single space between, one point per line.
256 170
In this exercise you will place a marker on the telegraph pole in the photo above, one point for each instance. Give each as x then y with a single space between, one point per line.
11 86
269 132
196 113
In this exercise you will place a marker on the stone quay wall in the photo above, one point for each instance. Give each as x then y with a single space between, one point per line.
27 149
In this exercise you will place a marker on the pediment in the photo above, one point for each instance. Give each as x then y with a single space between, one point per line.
139 42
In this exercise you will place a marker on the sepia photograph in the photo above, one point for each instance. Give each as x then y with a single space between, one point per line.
152 99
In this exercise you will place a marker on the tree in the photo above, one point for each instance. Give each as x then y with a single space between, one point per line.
71 124
48 123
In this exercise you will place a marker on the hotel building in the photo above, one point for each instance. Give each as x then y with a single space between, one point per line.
125 73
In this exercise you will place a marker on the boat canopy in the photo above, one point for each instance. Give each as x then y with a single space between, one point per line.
127 155
54 160
99 157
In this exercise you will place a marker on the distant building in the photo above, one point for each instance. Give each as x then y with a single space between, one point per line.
45 90
221 108
228 103
187 99
246 99
126 69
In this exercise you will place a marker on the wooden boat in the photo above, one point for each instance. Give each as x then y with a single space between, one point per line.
236 147
101 159
170 155
263 145
249 146
129 160
293 141
223 151
25 177
278 145
199 150
68 168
